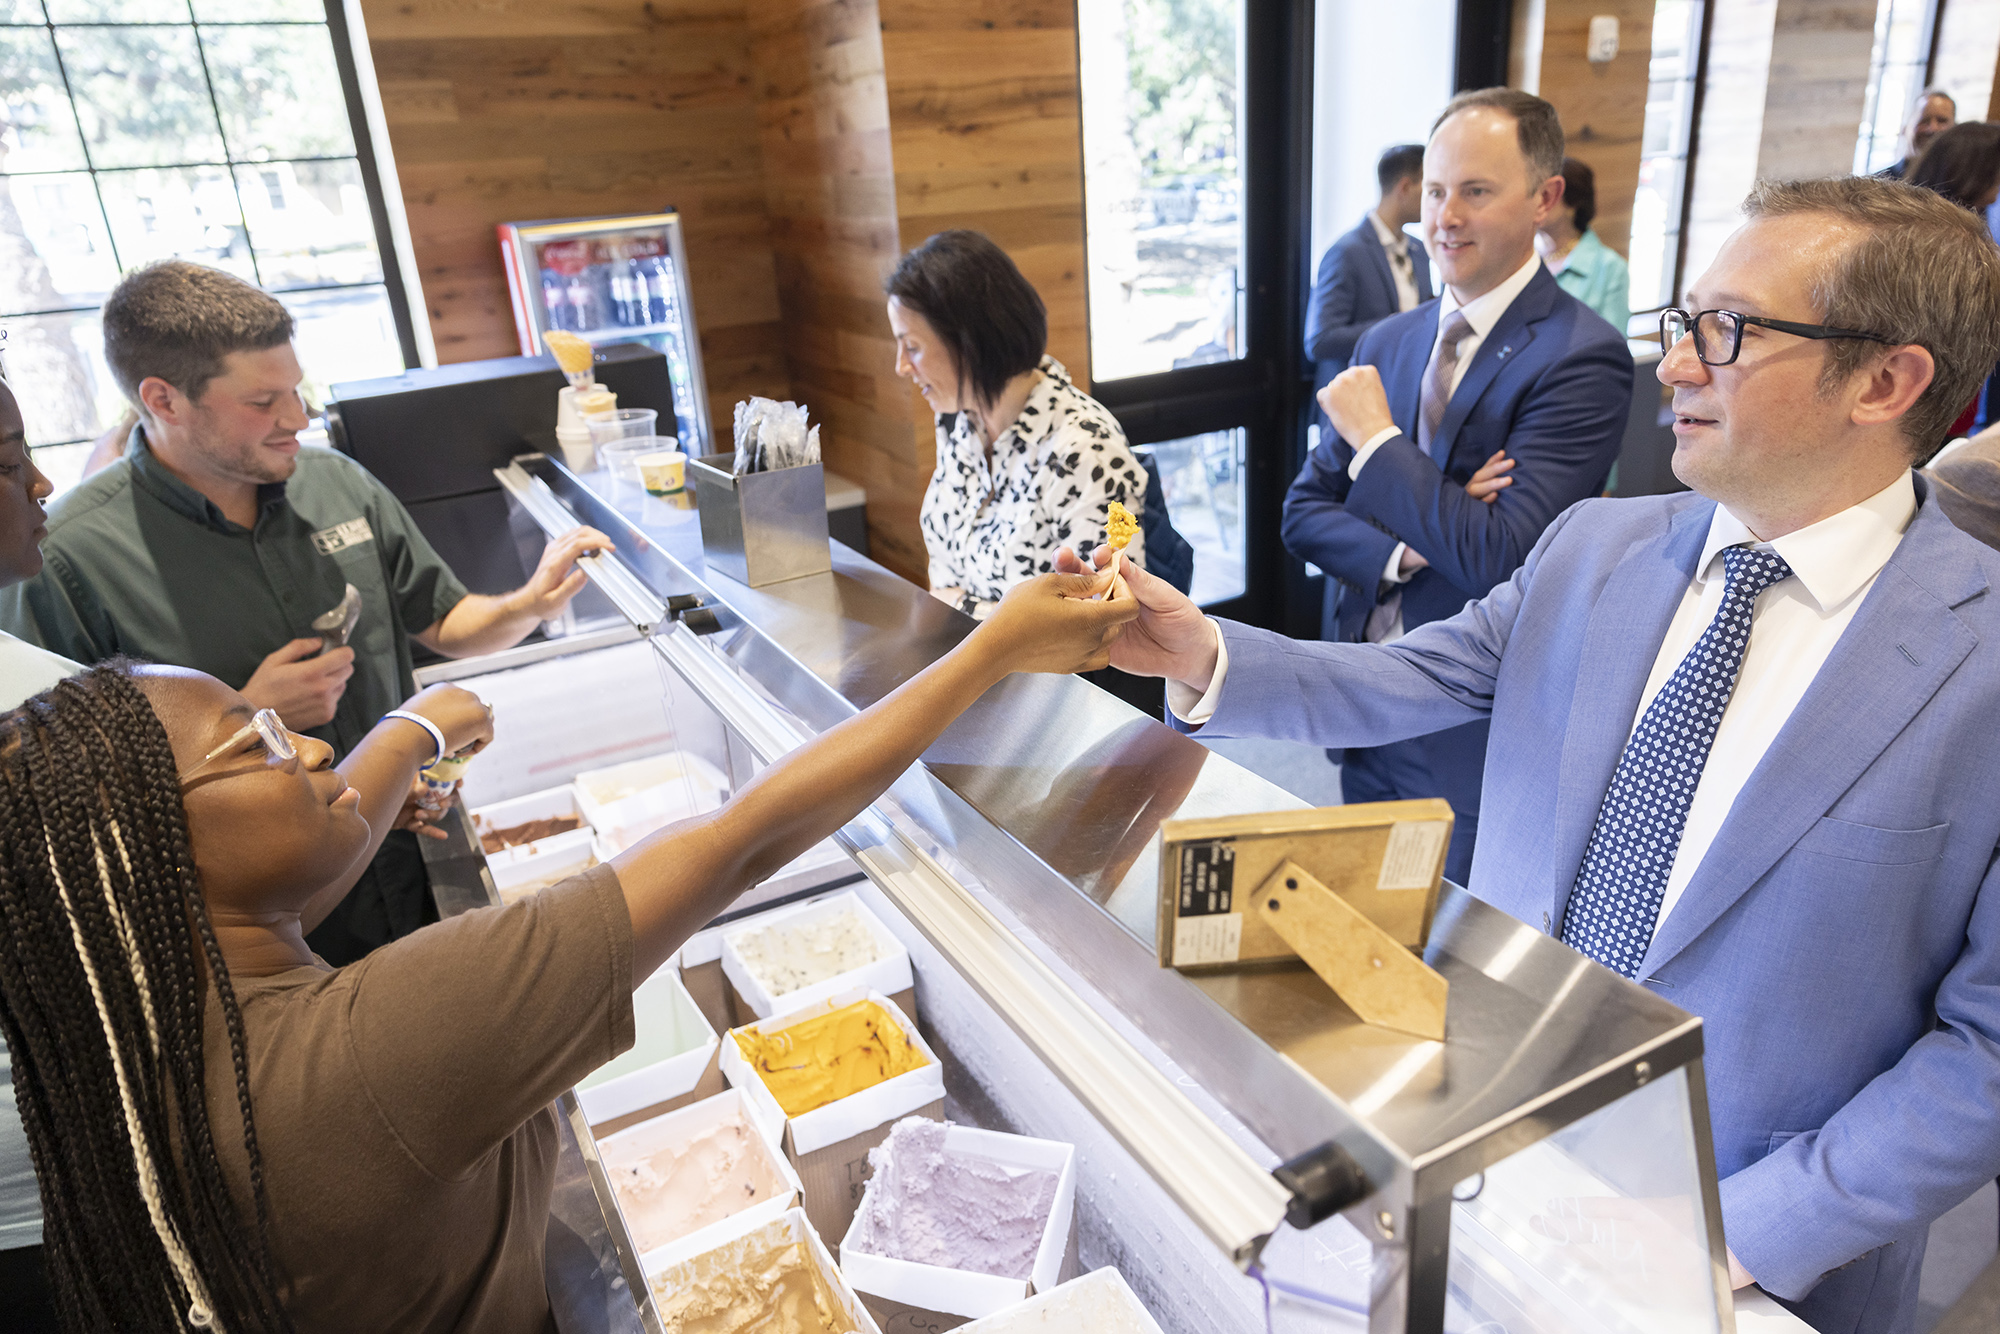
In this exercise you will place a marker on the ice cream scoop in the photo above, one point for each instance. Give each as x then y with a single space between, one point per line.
830 1056
931 1206
333 627
669 1190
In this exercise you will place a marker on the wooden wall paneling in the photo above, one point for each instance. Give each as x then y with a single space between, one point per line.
829 190
1603 107
502 110
1816 89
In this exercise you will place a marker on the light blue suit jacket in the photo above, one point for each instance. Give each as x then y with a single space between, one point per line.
1841 939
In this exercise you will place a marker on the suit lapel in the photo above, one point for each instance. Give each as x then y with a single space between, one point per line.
1408 392
1902 644
1509 339
1634 608
1385 277
1420 263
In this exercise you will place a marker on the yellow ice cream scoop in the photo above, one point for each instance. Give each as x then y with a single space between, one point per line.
830 1056
1119 525
572 351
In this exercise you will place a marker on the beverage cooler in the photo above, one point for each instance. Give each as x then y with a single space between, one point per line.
611 280
1243 1150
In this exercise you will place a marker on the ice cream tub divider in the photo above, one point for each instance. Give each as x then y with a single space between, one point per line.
700 964
829 1145
674 1060
751 997
542 863
682 1126
906 1295
723 1280
628 801
1100 1302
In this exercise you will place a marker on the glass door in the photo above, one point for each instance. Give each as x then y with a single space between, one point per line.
1193 135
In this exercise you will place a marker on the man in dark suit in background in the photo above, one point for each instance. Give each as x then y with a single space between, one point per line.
1503 376
1372 272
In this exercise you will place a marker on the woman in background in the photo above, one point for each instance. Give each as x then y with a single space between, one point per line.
1584 266
1026 461
1963 165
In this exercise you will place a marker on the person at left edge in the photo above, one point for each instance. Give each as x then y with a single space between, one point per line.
1528 392
217 538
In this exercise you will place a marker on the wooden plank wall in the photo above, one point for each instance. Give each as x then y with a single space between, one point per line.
503 110
1603 107
829 189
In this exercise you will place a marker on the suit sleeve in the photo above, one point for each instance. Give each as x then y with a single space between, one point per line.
1563 442
1903 1148
1439 675
1317 526
1332 328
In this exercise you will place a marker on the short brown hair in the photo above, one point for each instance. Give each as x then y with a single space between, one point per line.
1535 121
177 321
1923 271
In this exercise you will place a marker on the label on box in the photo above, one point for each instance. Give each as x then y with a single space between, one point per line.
1411 858
1208 939
1208 875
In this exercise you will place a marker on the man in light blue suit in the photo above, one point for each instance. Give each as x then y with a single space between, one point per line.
1742 737
1504 368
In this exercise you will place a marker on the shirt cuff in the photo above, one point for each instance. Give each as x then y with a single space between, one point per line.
1392 572
1193 709
1368 448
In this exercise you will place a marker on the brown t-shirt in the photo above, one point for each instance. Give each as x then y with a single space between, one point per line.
402 1107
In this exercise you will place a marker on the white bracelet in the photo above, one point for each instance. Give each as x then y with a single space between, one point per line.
426 724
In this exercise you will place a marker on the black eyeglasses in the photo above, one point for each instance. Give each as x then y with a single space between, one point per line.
1715 329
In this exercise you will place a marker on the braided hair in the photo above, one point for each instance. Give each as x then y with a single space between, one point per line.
102 1002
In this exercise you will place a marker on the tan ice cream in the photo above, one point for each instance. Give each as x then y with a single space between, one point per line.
776 1291
669 1190
788 956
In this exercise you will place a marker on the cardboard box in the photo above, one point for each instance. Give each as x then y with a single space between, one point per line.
626 802
1384 858
907 1296
674 1060
749 995
829 1145
700 964
524 869
678 1127
1100 1302
744 1250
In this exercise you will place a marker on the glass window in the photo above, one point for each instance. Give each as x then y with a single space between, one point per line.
1663 162
1162 183
1896 69
1202 476
138 130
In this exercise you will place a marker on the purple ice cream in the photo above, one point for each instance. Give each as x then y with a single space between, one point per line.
930 1206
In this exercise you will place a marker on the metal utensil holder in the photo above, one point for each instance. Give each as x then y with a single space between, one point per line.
762 527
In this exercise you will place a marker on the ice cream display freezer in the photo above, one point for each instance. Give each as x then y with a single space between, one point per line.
1248 1153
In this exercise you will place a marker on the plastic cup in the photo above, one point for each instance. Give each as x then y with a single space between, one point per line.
620 424
621 460
663 472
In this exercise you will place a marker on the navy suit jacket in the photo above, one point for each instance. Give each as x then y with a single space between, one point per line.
1354 291
1841 938
1552 385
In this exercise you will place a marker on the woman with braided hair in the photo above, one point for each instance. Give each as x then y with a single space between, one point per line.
229 1134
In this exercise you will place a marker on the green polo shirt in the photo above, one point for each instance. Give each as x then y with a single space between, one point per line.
138 562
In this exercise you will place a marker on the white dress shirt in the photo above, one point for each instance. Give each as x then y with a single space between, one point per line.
1385 622
1401 266
1793 629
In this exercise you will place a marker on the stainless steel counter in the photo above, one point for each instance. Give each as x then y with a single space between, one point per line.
1041 807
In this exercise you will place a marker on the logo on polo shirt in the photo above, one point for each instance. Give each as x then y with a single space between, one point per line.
343 535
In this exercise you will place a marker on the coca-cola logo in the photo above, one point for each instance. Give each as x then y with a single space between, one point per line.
569 257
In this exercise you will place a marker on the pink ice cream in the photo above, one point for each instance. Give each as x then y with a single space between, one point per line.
930 1206
670 1187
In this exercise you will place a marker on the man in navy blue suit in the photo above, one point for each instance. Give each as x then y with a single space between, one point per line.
1504 384
1372 272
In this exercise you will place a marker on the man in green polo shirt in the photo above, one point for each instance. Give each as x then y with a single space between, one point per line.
217 539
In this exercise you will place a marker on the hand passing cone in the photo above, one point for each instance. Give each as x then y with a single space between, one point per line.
1119 526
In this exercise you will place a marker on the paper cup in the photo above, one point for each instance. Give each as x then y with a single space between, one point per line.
664 472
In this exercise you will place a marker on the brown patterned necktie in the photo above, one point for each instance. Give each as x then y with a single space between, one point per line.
1437 377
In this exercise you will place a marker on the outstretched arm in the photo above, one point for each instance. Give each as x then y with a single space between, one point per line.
678 879
482 623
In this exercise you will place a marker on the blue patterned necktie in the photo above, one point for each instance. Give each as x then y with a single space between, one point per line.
1616 903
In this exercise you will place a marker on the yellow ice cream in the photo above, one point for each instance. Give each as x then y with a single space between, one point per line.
778 1291
1119 525
824 1059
